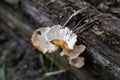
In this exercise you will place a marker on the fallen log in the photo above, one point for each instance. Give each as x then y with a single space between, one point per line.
99 32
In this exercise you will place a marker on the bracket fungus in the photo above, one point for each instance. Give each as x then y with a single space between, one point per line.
41 42
78 62
50 39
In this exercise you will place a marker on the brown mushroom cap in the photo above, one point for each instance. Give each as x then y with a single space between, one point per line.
73 54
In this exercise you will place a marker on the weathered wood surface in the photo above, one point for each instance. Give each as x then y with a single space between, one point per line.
102 37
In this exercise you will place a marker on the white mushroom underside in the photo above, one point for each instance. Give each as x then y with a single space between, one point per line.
50 33
42 42
56 32
46 45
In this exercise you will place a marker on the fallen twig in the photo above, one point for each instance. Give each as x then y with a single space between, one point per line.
74 14
55 72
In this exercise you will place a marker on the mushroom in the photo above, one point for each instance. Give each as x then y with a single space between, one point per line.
62 37
73 54
50 39
40 41
78 62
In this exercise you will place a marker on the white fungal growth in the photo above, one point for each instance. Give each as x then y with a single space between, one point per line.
50 39
41 42
58 34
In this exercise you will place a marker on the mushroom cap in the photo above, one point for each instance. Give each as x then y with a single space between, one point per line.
62 37
48 39
78 62
40 41
73 54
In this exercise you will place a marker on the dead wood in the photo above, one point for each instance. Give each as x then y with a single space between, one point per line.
99 32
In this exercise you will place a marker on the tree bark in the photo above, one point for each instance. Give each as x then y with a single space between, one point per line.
98 31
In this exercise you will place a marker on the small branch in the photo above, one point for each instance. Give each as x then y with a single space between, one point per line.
74 14
55 72
82 28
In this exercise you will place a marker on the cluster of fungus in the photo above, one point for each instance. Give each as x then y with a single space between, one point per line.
50 39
